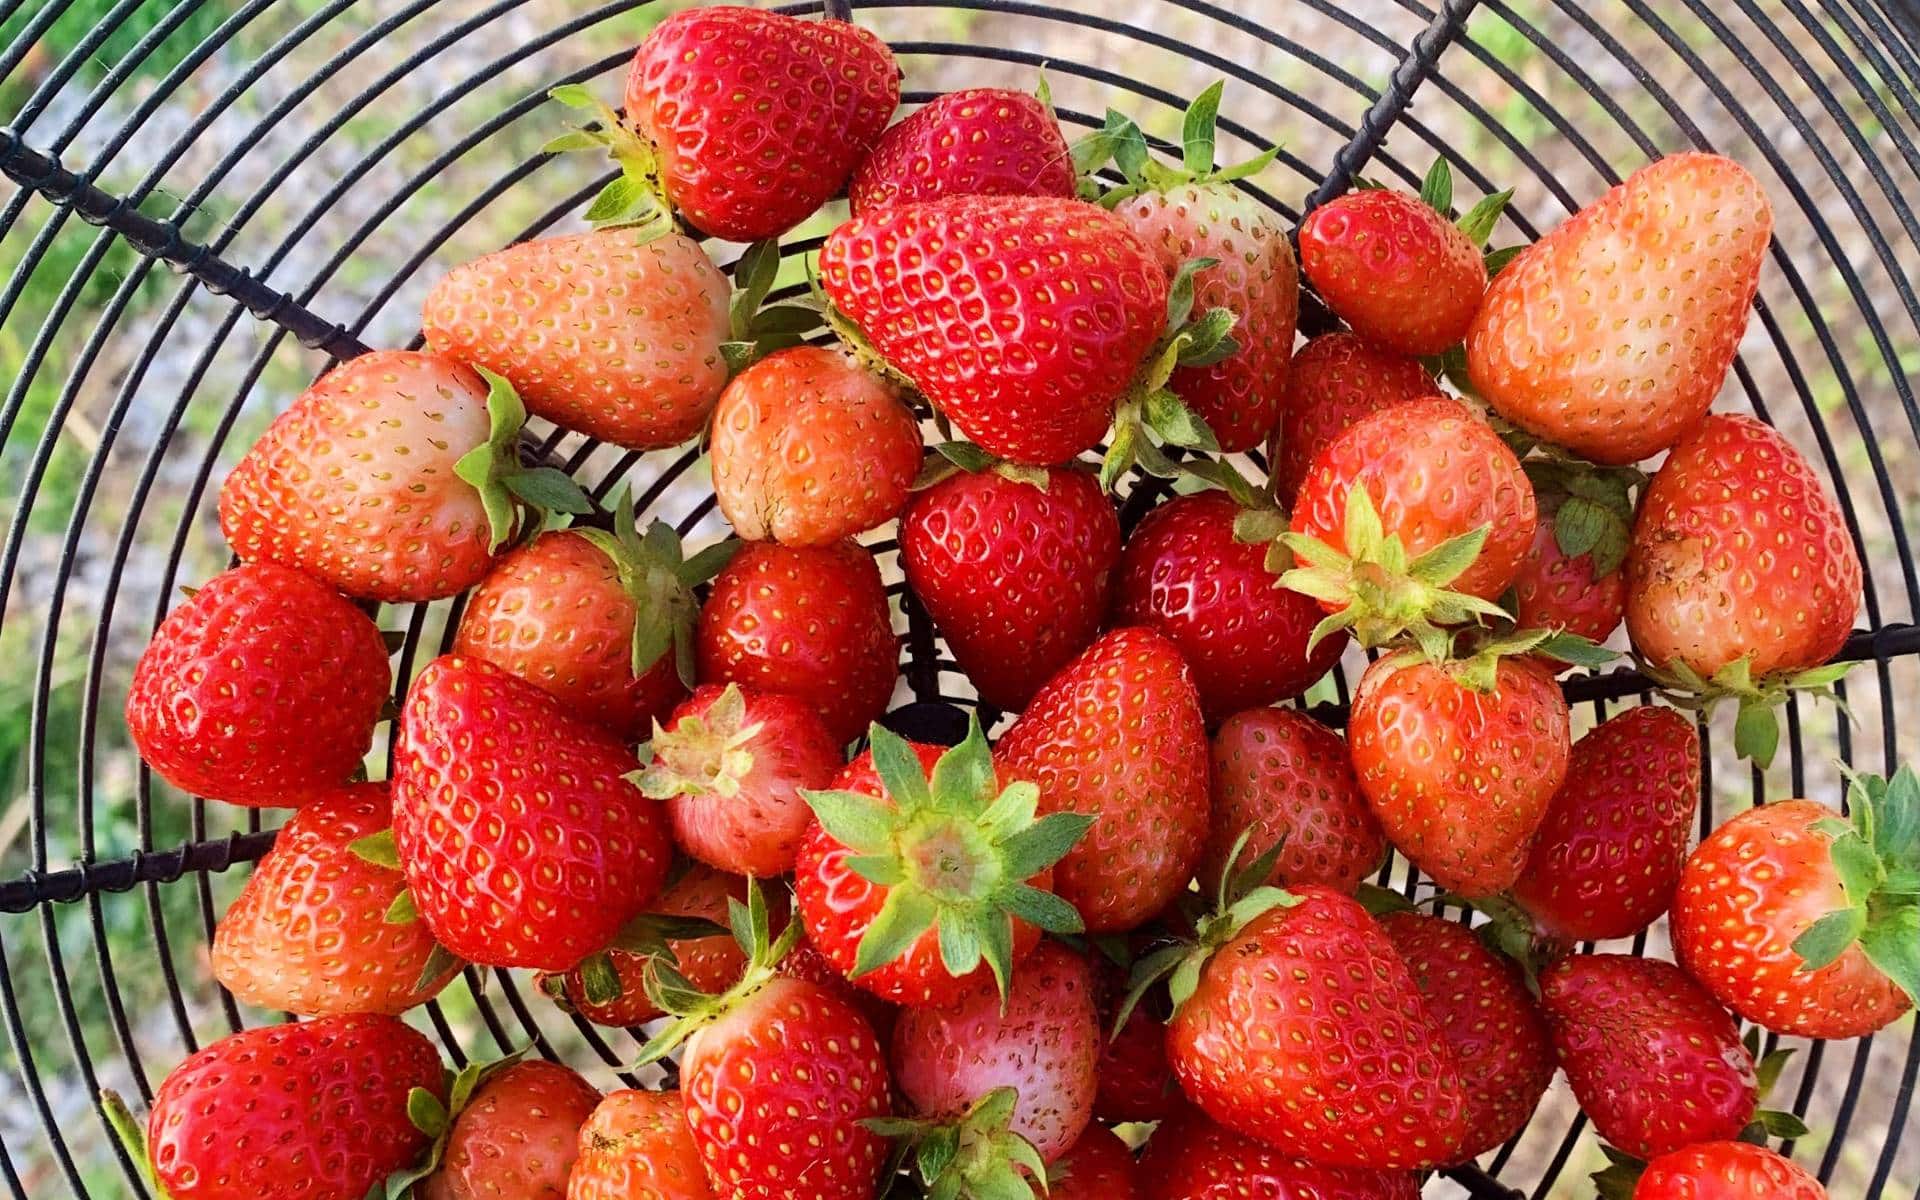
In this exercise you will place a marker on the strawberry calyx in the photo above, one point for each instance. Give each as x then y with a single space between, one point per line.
955 851
976 1156
649 935
435 1119
636 197
514 496
131 1133
1261 520
1876 853
380 850
691 1008
1591 506
757 329
704 754
1151 410
947 459
1474 664
1756 727
1119 140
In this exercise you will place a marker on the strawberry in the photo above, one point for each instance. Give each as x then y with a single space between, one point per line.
977 142
1286 783
943 291
1015 574
1042 1040
1118 735
1648 290
394 477
1098 1167
1742 579
731 765
1802 922
1395 268
522 844
315 1110
636 1146
1726 1171
1492 1023
518 1135
808 965
1459 761
923 877
262 689
1186 573
601 621
808 448
308 933
604 333
1608 854
805 621
1655 1063
1191 1158
1334 380
1135 1083
1561 591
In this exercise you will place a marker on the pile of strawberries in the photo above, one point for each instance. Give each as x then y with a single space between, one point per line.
956 971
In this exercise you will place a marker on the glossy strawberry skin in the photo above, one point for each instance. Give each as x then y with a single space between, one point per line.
1745 894
636 1146
776 1090
1726 1171
1282 777
1191 1158
1481 1003
1098 1167
1406 278
308 933
1654 1060
523 843
262 689
808 448
1739 551
1434 471
726 94
1308 1032
1556 591
1334 380
1460 780
518 1135
1118 734
805 963
977 142
315 1110
554 613
1183 573
354 484
1255 277
809 622
1609 853
1135 1081
939 288
1016 578
597 331
1649 288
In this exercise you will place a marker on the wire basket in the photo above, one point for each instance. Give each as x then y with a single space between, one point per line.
310 166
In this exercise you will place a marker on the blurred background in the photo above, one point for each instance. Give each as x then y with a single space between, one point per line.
349 152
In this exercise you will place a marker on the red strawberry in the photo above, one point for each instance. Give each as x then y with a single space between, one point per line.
808 965
1285 782
1334 380
1042 1041
1015 576
805 621
1556 590
731 765
808 448
944 289
1726 1171
1649 289
517 1136
752 119
977 142
923 877
1099 1167
1459 761
394 477
1117 734
1609 853
636 1146
1185 573
1135 1081
308 933
1655 1063
603 333
262 689
1191 1158
315 1110
1742 578
1803 924
522 843
1481 1003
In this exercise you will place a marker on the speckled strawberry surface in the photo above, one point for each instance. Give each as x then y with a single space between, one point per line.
636 1146
1333 381
1191 1158
1555 590
1100 1166
975 142
1727 1171
517 1137
1401 274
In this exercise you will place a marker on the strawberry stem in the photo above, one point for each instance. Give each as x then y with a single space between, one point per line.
132 1136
